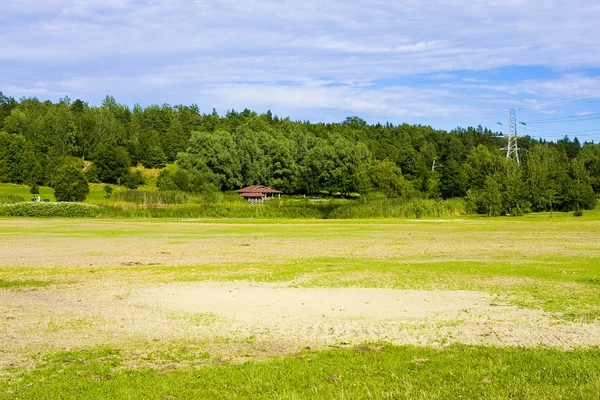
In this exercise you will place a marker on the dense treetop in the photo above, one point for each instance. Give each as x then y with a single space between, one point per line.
214 152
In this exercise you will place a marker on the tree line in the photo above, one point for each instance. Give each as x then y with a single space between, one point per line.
41 142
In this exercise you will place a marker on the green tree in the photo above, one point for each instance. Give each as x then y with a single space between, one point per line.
32 171
487 200
212 159
70 184
547 178
579 194
453 182
111 165
154 157
12 148
386 177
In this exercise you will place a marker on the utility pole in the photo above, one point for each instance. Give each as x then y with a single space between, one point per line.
512 149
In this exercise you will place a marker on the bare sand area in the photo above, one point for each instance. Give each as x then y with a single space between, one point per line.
245 319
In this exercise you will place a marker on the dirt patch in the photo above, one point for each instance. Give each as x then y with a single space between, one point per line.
242 320
325 316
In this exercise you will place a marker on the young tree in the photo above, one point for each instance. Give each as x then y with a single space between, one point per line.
70 184
108 190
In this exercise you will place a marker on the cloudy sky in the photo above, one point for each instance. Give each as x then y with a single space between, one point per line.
443 63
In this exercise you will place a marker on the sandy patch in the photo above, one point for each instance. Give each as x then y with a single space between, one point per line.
240 318
325 316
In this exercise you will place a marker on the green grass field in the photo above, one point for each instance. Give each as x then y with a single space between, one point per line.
364 372
95 282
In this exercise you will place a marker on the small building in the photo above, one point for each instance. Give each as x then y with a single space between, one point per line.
258 194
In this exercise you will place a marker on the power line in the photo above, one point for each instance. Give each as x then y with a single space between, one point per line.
573 118
588 96
581 133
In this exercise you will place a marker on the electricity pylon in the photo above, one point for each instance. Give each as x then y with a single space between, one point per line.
512 149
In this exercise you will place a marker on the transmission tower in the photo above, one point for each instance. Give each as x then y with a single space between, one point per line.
512 149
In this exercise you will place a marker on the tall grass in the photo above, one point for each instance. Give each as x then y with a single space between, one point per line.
217 197
145 198
399 208
219 210
10 198
333 209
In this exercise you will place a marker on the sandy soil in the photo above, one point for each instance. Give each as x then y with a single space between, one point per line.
236 319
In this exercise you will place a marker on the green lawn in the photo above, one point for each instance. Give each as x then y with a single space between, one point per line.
23 191
363 372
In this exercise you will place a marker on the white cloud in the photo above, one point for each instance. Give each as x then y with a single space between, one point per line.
392 101
306 55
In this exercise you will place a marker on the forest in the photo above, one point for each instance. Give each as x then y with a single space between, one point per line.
46 143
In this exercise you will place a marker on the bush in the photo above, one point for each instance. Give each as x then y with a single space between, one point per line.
108 189
133 180
35 209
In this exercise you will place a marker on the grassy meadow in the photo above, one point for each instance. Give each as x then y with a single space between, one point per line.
538 263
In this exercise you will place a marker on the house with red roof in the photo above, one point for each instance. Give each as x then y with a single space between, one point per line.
258 193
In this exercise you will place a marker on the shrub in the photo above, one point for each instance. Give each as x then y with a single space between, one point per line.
133 179
35 209
108 189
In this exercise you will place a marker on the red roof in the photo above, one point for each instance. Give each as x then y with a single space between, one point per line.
257 189
252 194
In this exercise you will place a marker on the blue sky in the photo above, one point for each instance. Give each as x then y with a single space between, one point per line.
441 63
